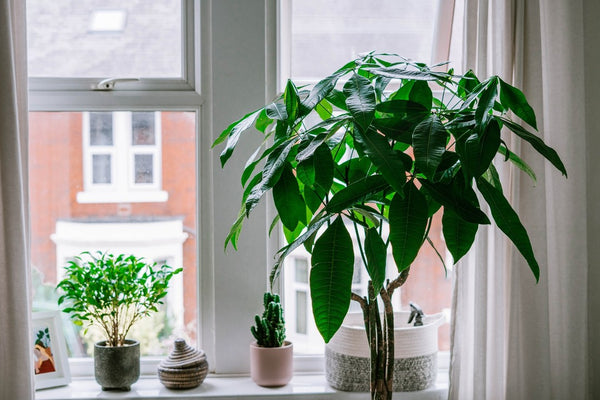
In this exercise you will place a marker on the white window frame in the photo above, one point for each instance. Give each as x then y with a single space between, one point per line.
231 284
122 187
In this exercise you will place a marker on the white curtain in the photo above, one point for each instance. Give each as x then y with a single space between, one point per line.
16 381
513 338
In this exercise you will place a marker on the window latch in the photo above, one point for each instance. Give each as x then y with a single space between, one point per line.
109 84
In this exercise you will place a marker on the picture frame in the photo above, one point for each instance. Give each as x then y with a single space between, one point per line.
50 359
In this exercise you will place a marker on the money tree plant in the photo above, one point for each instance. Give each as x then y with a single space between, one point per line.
113 292
378 147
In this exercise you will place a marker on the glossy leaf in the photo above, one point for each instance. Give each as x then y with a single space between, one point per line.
233 133
387 161
331 278
270 174
408 221
508 221
288 201
548 152
356 192
458 234
429 144
277 111
477 151
376 254
447 196
403 73
515 100
321 90
486 101
421 94
360 99
292 101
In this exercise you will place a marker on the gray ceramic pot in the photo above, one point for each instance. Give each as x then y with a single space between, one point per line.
117 368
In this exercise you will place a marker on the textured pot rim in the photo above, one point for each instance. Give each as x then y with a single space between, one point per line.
286 345
431 320
128 343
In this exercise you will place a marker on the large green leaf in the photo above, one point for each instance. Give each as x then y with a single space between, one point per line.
276 111
316 173
429 144
356 192
408 221
548 152
508 221
387 161
331 278
288 201
421 93
515 100
457 199
320 91
376 253
360 99
486 101
270 174
478 150
233 133
292 101
458 233
403 73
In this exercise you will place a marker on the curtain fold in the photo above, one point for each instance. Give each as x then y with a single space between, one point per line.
513 338
16 378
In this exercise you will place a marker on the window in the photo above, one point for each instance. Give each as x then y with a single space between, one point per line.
334 32
122 157
115 170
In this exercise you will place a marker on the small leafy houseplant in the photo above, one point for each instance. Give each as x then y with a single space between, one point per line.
271 356
113 293
379 147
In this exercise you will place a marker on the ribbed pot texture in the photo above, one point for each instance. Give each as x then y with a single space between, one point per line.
271 366
117 368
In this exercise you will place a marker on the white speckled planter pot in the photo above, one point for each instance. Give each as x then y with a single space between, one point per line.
347 355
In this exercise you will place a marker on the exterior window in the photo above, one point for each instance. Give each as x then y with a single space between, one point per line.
122 157
334 32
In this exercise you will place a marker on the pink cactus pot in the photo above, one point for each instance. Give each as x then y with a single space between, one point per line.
271 366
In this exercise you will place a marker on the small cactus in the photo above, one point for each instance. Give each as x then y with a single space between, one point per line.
269 330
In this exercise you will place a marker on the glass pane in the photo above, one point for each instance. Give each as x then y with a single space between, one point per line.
101 168
301 270
301 313
328 33
142 125
104 38
66 219
143 168
101 133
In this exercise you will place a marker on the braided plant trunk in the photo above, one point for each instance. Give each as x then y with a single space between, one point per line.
380 335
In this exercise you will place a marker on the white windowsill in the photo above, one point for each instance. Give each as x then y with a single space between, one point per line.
155 196
232 387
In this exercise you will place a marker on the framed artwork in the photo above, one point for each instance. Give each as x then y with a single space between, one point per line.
50 361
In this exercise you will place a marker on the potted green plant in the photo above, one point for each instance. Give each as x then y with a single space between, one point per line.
381 156
271 356
113 293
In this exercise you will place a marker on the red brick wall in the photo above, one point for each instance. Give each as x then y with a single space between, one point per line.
56 168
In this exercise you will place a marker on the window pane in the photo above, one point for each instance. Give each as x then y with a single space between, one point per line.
328 33
143 168
301 270
62 226
142 128
301 312
101 131
104 38
101 168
